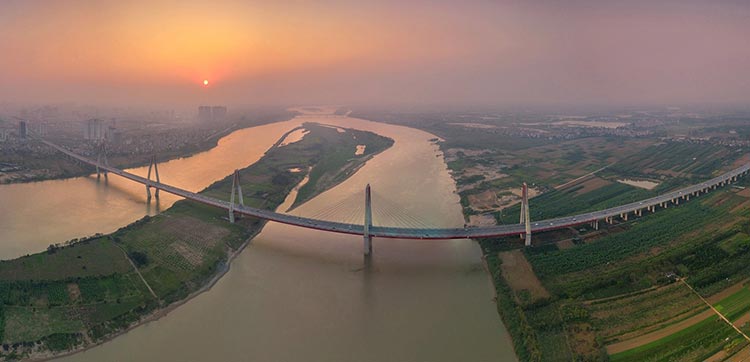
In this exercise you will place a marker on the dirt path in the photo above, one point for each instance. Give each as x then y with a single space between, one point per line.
716 311
136 270
674 328
656 335
558 187
742 356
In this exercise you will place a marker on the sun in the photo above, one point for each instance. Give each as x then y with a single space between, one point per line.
205 82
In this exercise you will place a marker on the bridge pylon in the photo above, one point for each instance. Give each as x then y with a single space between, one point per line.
152 165
101 153
236 186
525 215
368 222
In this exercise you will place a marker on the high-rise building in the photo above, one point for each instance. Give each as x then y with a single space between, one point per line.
40 128
22 132
93 129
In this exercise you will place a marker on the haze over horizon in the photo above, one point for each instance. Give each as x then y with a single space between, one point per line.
341 52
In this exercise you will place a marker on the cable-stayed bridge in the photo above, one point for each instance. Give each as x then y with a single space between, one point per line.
415 229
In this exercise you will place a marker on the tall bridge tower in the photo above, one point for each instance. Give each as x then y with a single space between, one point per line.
525 218
368 222
236 186
155 167
101 153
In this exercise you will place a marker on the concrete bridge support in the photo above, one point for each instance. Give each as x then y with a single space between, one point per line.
525 215
368 222
595 224
236 186
101 154
153 166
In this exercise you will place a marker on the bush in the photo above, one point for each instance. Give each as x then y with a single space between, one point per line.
140 259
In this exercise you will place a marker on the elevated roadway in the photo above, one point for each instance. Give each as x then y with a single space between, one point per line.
622 211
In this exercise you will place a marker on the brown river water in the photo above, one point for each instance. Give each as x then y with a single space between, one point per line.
293 294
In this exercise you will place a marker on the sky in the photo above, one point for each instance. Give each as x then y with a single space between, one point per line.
454 53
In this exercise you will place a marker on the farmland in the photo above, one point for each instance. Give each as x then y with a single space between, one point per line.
89 290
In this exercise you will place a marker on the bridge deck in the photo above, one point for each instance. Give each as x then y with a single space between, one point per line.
411 233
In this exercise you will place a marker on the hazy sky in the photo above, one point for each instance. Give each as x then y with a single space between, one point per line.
388 52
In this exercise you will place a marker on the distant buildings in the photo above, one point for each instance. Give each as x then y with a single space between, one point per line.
204 113
40 128
94 130
212 113
219 113
22 131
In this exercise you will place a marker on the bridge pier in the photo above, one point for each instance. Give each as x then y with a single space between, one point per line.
525 215
595 224
235 186
156 170
101 153
368 223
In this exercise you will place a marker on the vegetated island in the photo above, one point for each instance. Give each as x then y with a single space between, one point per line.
87 291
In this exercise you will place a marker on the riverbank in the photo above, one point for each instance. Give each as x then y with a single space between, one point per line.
87 294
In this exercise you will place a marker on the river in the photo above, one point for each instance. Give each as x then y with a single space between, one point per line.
294 294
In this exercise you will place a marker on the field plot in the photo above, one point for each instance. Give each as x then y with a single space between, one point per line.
29 324
677 159
521 278
696 341
89 258
634 315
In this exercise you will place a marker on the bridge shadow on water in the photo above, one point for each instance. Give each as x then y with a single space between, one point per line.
106 189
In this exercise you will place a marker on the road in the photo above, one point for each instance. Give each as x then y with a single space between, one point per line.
431 233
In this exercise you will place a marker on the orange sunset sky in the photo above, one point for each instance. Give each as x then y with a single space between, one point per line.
445 52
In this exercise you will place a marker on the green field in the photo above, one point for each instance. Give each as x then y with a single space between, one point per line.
699 341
